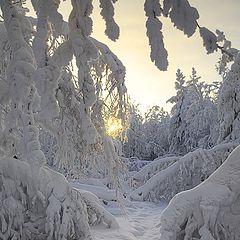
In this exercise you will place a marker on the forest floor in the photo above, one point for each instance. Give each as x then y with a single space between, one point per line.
140 221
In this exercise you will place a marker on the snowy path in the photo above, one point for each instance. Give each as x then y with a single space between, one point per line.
140 223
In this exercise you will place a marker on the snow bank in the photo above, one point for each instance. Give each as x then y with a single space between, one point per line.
96 212
101 192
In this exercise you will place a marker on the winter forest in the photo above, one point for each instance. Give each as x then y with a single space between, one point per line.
81 160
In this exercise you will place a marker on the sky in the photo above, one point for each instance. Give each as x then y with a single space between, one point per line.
146 84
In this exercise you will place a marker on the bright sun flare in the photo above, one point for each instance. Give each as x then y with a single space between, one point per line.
114 127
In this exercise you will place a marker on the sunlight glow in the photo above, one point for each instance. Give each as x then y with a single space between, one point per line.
114 127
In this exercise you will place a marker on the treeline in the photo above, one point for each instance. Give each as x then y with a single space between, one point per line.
202 115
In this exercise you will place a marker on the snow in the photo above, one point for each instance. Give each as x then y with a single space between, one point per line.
183 16
37 86
140 222
101 192
210 210
154 26
107 11
131 221
183 174
209 40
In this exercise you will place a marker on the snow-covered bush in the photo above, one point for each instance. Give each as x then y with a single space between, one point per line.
183 174
43 207
159 164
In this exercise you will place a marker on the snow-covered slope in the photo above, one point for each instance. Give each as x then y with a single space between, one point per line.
100 191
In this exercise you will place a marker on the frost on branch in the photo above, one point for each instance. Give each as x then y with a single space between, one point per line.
71 154
158 52
47 15
209 40
210 210
229 53
114 82
48 68
183 16
107 12
84 51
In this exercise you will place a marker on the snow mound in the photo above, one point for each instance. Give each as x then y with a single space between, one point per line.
96 212
100 191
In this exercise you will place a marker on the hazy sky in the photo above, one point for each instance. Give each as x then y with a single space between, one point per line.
145 83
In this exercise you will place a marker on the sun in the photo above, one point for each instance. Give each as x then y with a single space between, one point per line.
114 127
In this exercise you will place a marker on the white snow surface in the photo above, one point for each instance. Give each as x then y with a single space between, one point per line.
136 220
139 222
100 191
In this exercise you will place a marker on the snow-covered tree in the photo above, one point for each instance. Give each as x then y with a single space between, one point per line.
211 209
194 120
38 203
75 156
147 137
156 130
201 118
228 53
134 145
185 96
228 104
